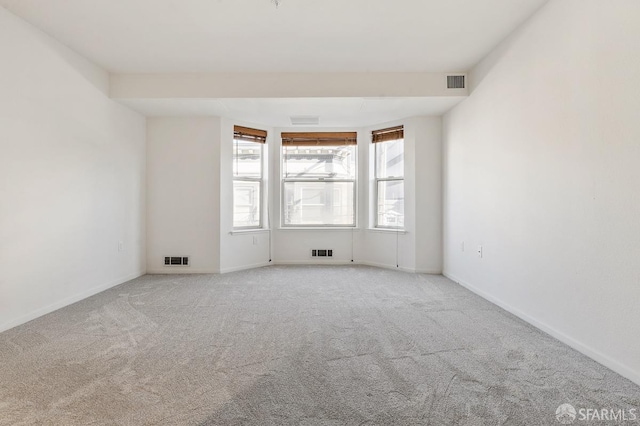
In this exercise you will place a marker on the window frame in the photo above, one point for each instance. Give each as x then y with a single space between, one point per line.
259 180
284 180
377 181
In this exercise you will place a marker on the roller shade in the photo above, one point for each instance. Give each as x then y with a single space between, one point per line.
319 138
249 135
390 134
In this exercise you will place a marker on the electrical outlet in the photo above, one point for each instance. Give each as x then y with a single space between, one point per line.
120 245
480 251
255 240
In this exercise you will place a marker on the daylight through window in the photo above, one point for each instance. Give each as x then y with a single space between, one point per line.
319 179
247 177
389 177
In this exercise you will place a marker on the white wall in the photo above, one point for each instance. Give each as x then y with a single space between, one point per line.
428 199
183 193
541 168
72 185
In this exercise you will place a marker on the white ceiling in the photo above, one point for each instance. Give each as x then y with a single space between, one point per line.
333 112
156 36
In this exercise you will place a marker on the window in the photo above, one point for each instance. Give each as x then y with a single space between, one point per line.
247 177
319 179
389 177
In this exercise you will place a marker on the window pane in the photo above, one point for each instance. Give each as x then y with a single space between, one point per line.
247 160
391 204
319 162
319 203
390 159
246 204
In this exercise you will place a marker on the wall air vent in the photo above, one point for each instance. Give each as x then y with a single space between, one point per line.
321 253
455 82
176 261
305 120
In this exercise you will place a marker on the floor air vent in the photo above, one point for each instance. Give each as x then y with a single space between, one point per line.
322 253
455 82
176 261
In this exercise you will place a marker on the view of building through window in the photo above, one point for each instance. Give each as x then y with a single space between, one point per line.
390 183
319 185
247 184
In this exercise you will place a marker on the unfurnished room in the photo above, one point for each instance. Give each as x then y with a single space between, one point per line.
296 212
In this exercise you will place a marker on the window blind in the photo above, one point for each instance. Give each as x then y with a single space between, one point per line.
319 138
248 134
389 134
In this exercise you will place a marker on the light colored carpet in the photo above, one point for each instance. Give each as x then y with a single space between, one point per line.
305 345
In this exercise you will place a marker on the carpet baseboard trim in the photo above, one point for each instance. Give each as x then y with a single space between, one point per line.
386 266
594 354
181 270
429 271
343 262
311 262
67 301
245 267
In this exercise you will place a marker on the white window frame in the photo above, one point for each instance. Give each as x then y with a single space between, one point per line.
260 180
285 180
376 184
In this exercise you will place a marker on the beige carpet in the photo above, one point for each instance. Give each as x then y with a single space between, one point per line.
294 346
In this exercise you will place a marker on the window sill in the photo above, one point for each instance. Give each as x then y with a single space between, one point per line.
248 231
388 230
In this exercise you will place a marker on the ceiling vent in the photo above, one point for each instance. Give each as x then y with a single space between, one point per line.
455 82
305 120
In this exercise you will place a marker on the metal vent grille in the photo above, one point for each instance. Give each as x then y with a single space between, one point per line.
321 253
455 82
176 261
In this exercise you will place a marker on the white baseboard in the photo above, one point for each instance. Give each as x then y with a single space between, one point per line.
67 301
429 271
180 270
314 262
342 262
386 266
245 267
594 354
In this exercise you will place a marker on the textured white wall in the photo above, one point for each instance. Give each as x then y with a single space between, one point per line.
183 193
428 204
541 168
72 185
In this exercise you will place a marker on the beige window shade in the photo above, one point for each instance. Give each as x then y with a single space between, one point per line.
319 138
390 134
249 135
